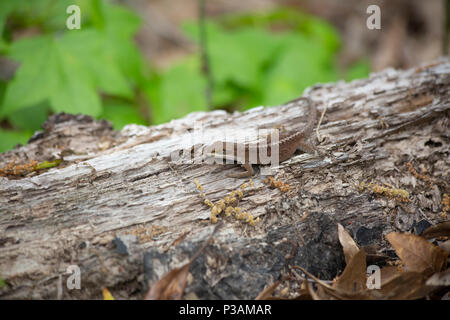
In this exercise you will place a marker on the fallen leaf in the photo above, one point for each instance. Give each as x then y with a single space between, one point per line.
324 293
171 286
349 246
440 279
439 230
173 283
445 246
405 285
388 273
353 279
319 294
266 293
314 295
327 292
418 254
303 293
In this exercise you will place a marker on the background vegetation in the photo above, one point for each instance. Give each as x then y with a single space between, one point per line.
255 59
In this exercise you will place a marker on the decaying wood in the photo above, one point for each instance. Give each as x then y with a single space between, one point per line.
118 208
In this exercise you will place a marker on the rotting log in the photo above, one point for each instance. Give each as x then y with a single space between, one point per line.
121 211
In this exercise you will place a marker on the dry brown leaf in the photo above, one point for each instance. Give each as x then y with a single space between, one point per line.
303 293
172 285
405 285
266 293
439 230
349 246
314 295
388 273
351 284
319 294
440 279
327 292
418 254
353 279
395 284
445 246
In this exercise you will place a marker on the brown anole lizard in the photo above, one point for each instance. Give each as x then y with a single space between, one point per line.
287 143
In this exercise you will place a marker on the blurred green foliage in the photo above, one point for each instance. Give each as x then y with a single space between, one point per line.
256 59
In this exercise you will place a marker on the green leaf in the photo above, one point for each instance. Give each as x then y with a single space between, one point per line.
2 90
3 45
121 114
52 70
36 78
313 28
240 56
120 27
75 91
225 94
191 29
9 138
230 63
182 90
96 13
120 21
69 69
237 56
127 58
6 7
358 70
48 15
299 65
30 118
262 67
51 14
102 64
325 35
151 89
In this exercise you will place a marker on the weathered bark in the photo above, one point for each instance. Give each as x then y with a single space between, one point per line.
121 184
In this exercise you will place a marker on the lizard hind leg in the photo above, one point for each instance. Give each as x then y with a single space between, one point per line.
245 174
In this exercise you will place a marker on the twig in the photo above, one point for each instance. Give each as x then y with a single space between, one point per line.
445 32
319 138
206 69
